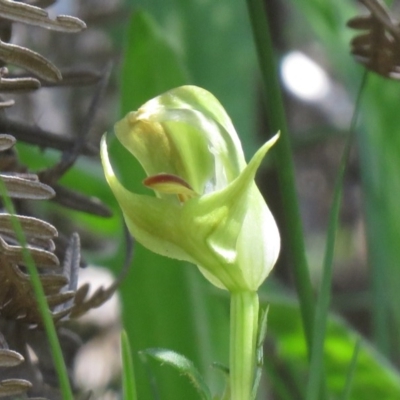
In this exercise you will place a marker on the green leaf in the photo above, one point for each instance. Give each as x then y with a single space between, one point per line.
128 375
183 365
151 66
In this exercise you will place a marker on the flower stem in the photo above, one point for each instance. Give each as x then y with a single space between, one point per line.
244 325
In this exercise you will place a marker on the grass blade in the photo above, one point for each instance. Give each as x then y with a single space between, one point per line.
128 375
352 370
275 110
322 308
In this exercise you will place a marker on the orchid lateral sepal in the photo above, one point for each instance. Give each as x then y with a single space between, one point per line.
204 230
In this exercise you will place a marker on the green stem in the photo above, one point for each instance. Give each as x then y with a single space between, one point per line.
284 163
244 325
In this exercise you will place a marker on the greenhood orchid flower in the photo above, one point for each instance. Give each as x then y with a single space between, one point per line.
207 208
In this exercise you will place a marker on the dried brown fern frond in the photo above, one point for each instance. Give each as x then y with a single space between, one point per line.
12 387
17 300
29 60
16 84
71 149
35 15
58 265
81 302
49 75
23 185
379 48
18 310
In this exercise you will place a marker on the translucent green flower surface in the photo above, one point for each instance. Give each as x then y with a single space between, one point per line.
207 209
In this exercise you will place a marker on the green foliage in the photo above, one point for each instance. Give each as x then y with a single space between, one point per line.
352 368
379 147
374 377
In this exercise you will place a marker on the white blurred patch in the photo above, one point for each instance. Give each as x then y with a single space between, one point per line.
303 77
98 363
107 314
306 80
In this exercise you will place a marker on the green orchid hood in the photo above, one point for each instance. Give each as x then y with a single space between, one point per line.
207 209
